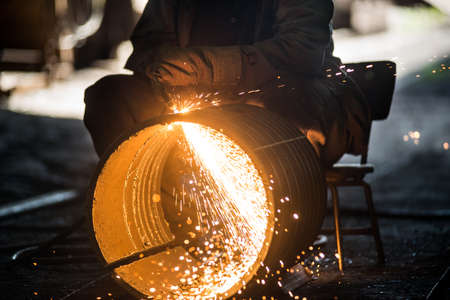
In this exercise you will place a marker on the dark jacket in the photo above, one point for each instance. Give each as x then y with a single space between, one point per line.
291 39
289 36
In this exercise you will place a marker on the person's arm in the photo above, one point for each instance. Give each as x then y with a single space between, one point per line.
301 36
155 28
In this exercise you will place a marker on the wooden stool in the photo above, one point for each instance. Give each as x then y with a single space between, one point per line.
376 81
352 175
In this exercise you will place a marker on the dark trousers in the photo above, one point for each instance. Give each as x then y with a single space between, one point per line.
332 116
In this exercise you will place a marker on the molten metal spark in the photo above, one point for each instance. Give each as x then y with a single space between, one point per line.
192 101
232 210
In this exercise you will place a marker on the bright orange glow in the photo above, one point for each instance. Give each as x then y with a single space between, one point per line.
232 211
191 102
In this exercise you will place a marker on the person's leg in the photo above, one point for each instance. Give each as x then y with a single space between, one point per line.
317 110
115 104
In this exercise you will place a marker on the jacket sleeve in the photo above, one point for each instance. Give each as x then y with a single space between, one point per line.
301 36
155 28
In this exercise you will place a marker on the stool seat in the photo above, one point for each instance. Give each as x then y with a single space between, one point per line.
346 172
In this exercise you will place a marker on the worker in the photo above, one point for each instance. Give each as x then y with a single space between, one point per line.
272 53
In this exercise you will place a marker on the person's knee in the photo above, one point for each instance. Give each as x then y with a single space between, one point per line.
104 112
106 96
115 103
103 88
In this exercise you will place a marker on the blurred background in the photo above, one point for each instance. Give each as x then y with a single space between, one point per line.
51 50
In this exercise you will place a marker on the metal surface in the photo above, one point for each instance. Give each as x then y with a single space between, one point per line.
141 255
38 202
38 249
127 216
441 289
337 224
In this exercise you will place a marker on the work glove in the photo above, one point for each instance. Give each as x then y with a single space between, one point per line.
206 66
232 70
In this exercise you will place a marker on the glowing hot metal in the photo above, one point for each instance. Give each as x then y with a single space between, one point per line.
197 178
234 201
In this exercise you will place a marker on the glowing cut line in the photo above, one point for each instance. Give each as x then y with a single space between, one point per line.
236 203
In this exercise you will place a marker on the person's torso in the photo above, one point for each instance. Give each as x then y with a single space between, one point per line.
223 23
237 22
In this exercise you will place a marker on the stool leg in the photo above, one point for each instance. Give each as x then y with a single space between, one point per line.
374 222
337 224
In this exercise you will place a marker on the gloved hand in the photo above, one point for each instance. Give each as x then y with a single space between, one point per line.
208 66
172 66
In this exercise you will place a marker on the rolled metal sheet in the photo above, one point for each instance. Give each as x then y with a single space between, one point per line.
131 208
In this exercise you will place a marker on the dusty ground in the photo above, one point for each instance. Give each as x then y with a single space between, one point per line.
410 185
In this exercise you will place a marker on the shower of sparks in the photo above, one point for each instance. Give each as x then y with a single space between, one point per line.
230 208
194 101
